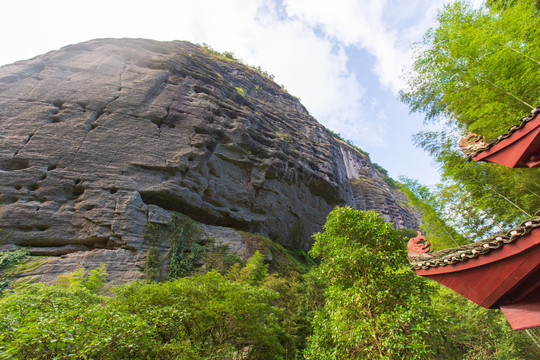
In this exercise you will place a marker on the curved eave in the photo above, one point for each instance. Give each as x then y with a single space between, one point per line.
520 149
464 253
521 245
501 277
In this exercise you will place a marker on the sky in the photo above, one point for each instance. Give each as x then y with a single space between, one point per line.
343 58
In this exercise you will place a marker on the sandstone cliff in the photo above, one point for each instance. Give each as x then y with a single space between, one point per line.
371 190
100 138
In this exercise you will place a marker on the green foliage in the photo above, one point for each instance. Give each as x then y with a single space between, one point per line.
97 279
94 282
183 262
299 298
226 55
283 136
30 263
287 262
218 318
185 248
263 72
479 71
436 224
375 307
335 134
348 142
406 233
240 91
253 273
296 235
504 4
361 302
476 64
40 321
76 278
219 258
10 258
152 263
391 183
483 197
229 55
201 317
5 236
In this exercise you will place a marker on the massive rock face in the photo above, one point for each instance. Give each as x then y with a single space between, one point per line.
372 192
99 137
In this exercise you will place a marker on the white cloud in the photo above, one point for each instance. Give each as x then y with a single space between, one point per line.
371 25
310 66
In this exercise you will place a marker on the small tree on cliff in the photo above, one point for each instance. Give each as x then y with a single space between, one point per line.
374 303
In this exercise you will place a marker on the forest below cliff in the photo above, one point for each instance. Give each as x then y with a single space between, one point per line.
352 295
356 299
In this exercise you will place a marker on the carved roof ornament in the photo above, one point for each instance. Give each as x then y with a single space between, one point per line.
418 244
517 148
472 143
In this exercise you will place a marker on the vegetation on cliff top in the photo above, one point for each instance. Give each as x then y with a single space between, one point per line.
230 56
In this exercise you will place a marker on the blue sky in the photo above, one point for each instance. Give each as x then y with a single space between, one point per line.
343 58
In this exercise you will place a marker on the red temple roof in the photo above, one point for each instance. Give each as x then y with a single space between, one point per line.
519 147
504 270
500 272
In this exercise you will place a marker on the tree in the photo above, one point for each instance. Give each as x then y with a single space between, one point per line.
216 317
375 306
479 68
479 71
503 4
436 224
254 273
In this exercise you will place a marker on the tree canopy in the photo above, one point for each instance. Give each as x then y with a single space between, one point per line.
480 68
479 71
375 306
436 225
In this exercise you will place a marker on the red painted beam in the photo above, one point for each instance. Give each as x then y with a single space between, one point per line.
524 314
522 244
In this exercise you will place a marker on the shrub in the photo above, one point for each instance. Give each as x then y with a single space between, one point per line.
200 317
185 249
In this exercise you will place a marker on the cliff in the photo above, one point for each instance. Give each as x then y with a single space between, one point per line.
102 138
372 189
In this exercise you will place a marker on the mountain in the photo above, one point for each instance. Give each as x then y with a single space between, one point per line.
102 139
